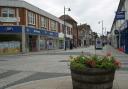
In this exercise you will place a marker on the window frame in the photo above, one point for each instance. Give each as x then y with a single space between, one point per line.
8 12
44 22
53 25
31 18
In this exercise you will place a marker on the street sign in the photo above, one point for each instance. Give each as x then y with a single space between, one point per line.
120 15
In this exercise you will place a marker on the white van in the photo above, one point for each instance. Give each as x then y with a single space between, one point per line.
99 43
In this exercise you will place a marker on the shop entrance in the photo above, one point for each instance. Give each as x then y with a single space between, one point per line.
32 43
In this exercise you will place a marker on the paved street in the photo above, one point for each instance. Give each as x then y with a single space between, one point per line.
51 66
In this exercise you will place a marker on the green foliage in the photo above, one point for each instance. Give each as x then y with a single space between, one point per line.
77 66
103 62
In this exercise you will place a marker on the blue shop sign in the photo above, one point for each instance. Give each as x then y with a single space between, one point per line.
120 15
43 32
32 31
52 34
49 33
10 29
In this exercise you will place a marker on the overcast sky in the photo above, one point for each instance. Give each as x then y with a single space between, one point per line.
83 11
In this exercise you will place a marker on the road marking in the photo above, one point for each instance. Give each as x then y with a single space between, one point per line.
15 77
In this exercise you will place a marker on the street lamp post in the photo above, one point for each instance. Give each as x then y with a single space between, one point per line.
102 22
65 27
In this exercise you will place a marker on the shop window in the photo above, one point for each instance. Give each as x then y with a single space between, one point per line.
8 12
31 18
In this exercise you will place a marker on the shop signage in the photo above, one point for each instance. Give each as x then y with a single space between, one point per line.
9 19
32 31
10 29
43 32
53 34
120 15
49 33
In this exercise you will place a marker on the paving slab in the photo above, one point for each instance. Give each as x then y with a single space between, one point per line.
56 63
53 83
120 82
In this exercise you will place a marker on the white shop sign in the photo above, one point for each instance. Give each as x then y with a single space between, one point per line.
9 19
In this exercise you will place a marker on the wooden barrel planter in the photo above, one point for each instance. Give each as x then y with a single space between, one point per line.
92 78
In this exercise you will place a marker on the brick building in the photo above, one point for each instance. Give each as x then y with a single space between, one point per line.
34 29
71 21
84 35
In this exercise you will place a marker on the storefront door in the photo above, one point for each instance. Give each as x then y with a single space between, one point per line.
32 43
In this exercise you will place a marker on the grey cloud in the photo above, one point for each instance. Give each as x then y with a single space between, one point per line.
83 11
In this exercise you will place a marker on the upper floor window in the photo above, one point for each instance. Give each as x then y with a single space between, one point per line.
8 12
31 18
68 30
71 31
44 22
53 25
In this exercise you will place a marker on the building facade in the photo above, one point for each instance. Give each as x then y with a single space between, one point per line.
62 36
32 28
119 29
84 35
74 29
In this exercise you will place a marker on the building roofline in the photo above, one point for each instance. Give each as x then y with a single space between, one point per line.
62 22
67 17
118 9
24 4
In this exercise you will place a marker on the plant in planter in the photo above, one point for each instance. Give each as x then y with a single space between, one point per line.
93 72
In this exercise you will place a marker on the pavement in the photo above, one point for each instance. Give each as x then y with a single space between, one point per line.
120 82
65 82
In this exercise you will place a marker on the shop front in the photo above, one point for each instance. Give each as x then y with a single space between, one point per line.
49 40
61 40
61 43
68 42
43 42
123 36
52 40
10 39
32 39
41 39
26 39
